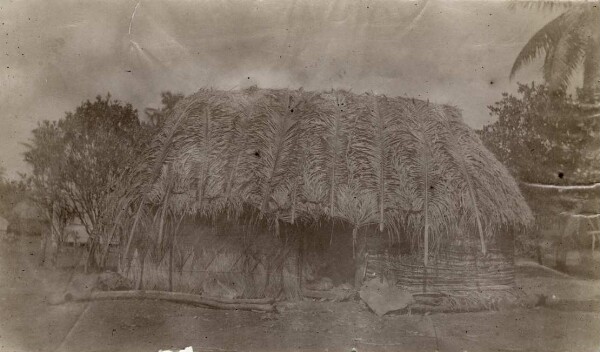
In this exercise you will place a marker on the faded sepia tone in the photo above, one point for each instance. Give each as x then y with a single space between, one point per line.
300 175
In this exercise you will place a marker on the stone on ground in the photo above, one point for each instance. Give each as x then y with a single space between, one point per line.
383 298
322 284
111 281
215 288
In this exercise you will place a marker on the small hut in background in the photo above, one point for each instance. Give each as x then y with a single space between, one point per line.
75 234
404 182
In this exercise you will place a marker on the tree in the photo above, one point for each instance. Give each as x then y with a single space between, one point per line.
547 137
11 193
158 116
567 41
544 136
78 159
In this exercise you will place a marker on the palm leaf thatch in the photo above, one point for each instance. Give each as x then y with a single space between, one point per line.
333 128
378 139
462 167
425 160
485 170
148 170
405 166
276 134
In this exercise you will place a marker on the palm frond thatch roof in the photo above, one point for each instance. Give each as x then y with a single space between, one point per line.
403 165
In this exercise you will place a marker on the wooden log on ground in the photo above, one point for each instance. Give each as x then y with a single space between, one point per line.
422 309
332 295
429 300
266 300
176 297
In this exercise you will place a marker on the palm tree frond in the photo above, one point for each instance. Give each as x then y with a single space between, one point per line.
541 42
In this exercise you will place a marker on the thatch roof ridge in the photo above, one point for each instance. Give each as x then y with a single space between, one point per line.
365 159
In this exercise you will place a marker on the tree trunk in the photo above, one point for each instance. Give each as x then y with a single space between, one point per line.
92 262
539 254
289 277
140 285
43 247
586 254
360 261
262 305
57 243
106 249
591 68
54 236
171 264
300 259
125 254
560 255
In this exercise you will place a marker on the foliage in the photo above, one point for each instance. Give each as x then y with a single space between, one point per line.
545 136
78 160
43 155
12 192
157 117
571 39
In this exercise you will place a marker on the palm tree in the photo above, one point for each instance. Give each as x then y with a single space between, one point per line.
571 39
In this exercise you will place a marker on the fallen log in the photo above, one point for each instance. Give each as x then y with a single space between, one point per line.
265 300
332 295
429 300
176 297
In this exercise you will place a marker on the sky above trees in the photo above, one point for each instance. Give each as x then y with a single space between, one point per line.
59 53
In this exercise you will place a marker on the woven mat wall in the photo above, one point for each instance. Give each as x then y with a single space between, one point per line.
451 271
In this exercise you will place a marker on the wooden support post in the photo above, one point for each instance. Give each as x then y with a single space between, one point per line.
171 264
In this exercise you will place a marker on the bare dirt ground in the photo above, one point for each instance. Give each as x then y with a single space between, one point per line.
29 323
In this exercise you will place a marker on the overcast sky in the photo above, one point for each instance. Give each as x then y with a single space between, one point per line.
57 54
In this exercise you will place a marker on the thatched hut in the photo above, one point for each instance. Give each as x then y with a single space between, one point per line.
407 177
